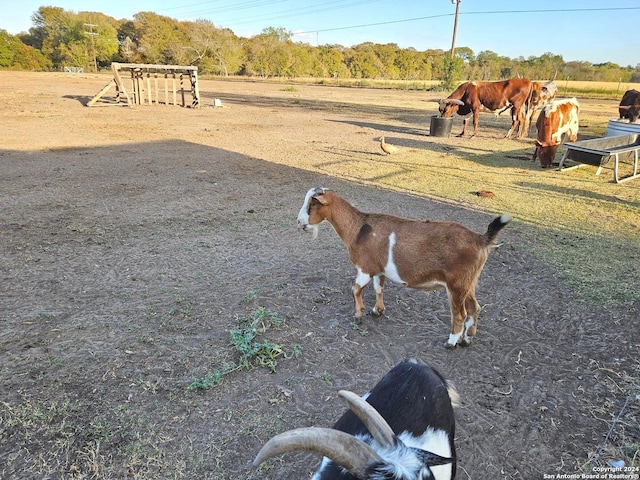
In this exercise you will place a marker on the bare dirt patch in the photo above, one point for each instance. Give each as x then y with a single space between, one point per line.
132 240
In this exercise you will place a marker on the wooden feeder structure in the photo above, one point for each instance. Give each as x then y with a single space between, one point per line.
151 84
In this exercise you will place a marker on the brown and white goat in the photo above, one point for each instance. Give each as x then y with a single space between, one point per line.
420 254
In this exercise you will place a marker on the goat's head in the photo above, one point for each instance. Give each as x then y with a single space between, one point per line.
311 214
386 458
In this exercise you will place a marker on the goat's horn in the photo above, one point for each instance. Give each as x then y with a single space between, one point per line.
375 423
344 449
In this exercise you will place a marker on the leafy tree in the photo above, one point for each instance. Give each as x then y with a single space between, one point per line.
15 54
7 49
53 28
214 50
452 72
332 62
363 62
270 54
67 38
160 39
407 63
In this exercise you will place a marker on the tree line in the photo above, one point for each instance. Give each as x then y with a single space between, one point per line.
93 40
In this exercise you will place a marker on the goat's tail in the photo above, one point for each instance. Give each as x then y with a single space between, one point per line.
454 396
495 226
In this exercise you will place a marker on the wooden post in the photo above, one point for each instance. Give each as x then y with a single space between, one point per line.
166 89
155 81
182 88
149 93
134 88
195 90
173 81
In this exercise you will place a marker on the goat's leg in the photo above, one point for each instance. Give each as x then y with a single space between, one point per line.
471 323
458 316
361 281
378 285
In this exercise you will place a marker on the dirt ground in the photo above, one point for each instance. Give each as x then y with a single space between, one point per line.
132 240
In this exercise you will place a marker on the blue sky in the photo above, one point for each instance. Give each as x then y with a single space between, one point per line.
584 30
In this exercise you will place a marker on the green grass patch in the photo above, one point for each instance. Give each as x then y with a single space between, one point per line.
252 348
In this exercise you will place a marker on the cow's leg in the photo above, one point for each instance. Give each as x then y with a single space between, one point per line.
523 124
465 120
476 118
513 123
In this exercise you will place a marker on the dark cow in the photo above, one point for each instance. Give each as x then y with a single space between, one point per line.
630 105
557 121
469 98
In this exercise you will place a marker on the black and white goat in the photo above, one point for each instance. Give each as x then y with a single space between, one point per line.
416 253
403 429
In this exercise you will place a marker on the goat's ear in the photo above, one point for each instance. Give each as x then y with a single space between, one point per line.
320 198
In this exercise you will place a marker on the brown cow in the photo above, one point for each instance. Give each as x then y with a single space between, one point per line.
630 105
557 122
470 97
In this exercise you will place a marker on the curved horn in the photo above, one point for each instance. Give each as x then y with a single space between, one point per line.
377 426
437 100
344 449
455 101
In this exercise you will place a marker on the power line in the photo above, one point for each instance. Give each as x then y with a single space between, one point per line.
290 12
494 12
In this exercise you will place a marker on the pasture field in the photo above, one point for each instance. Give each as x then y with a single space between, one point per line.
163 317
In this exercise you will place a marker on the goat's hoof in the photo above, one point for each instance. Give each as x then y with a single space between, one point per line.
450 346
465 342
376 312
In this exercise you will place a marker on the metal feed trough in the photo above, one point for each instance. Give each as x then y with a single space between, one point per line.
621 149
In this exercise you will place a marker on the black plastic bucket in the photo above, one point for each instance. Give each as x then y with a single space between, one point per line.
440 127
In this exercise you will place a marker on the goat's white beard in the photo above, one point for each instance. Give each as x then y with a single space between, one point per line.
314 231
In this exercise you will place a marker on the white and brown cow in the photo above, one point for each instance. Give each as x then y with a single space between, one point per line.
541 95
558 121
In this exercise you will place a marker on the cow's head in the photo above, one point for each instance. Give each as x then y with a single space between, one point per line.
447 106
546 152
632 112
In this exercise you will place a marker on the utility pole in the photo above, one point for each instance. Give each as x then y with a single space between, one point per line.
92 34
455 27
